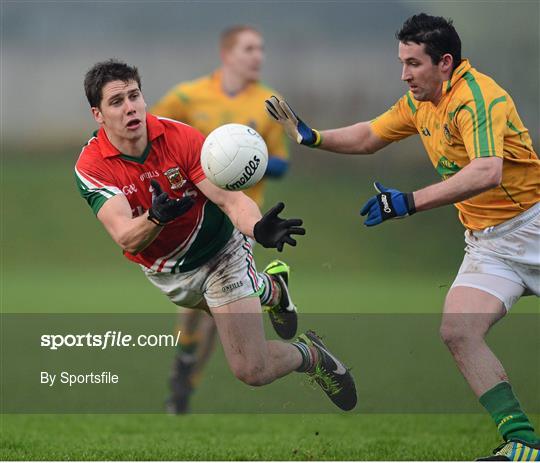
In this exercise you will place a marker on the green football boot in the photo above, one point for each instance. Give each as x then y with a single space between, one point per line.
334 378
283 315
514 450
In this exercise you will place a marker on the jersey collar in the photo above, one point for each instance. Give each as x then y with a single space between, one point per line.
463 67
217 80
154 128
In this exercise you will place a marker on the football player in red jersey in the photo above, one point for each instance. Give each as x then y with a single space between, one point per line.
143 179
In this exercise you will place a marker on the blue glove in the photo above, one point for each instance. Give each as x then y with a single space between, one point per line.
276 167
388 204
295 128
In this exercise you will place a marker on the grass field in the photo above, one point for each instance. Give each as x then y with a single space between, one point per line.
56 259
247 437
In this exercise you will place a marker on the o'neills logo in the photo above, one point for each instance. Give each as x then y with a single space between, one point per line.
249 171
385 204
229 288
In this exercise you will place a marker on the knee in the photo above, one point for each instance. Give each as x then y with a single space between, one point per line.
456 335
450 335
252 375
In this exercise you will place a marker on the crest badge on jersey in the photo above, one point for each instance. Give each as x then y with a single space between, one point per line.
447 134
175 178
426 132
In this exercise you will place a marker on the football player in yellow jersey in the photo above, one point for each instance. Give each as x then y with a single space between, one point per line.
476 141
232 93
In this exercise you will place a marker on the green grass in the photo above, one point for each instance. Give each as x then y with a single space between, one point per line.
247 437
57 258
126 290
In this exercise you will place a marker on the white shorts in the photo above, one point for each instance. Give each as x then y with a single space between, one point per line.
229 276
504 260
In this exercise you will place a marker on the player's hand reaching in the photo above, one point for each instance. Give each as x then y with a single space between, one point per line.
273 232
295 128
388 204
165 209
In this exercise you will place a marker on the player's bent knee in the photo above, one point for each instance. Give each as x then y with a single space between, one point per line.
455 334
251 374
450 335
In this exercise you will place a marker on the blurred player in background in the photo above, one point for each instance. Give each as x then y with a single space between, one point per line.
233 93
478 144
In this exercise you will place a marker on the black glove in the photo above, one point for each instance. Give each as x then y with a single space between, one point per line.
165 209
273 232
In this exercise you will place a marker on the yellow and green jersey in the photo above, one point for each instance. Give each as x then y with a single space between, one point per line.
475 118
203 104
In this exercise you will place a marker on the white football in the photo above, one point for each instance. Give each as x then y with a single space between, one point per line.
234 157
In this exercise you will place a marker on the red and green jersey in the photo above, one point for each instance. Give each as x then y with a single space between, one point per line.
172 157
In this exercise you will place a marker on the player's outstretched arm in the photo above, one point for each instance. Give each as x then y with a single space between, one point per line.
269 230
135 234
480 175
354 139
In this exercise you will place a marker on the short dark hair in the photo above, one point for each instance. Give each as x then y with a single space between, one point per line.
104 72
437 34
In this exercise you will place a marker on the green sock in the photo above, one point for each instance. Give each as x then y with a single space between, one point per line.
188 343
187 348
504 408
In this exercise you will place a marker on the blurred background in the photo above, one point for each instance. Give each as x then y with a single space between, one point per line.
336 62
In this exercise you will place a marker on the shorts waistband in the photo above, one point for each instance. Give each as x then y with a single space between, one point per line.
510 225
